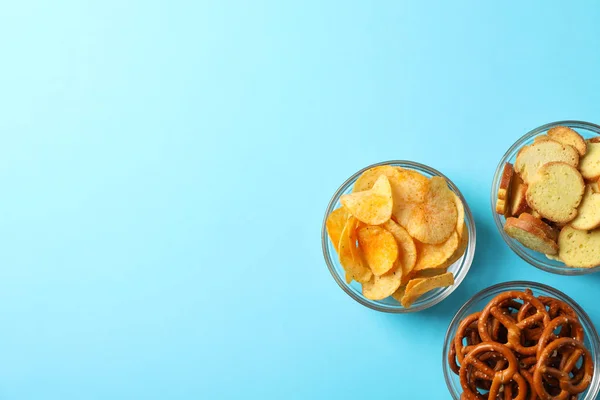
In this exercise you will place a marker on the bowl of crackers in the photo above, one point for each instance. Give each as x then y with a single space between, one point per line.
546 197
398 237
522 340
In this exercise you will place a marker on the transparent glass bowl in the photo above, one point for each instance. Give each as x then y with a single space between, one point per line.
459 268
478 302
538 260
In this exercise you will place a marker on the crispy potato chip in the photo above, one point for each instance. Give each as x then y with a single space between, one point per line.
435 255
406 247
427 273
412 185
460 219
399 293
378 247
350 256
434 220
373 206
335 225
458 253
380 287
418 287
368 178
409 190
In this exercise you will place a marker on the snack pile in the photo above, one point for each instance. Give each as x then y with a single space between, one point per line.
397 233
522 347
551 198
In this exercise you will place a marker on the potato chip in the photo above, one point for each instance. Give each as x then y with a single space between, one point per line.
460 219
378 247
409 190
418 287
380 287
399 293
412 185
458 253
406 248
368 178
434 220
350 256
373 206
335 225
435 255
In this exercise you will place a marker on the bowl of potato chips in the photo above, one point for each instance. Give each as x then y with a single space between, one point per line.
398 237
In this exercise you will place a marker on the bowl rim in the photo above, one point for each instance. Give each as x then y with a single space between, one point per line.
459 275
517 248
594 339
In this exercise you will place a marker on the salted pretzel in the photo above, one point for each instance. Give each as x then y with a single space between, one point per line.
567 386
513 326
500 378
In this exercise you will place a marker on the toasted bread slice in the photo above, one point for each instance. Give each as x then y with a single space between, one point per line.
588 216
554 258
505 179
538 223
502 207
531 158
518 200
540 138
556 192
568 136
595 186
579 248
534 213
590 163
530 236
594 140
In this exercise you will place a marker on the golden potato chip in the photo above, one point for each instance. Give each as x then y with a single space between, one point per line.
434 220
399 293
458 253
427 273
368 178
373 206
406 248
380 287
435 255
350 256
418 287
460 219
378 247
410 189
335 225
411 185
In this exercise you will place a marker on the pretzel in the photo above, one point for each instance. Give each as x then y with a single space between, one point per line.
513 326
498 378
568 388
466 328
548 335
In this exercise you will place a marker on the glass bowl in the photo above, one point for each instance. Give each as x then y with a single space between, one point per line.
478 302
459 268
538 260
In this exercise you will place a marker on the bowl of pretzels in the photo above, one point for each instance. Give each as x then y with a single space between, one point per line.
522 340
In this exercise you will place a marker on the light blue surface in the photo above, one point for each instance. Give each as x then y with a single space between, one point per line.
165 167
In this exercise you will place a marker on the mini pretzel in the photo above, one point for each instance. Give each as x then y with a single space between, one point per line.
466 330
576 331
498 378
567 386
514 327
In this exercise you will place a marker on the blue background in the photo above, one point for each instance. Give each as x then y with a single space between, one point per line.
165 167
